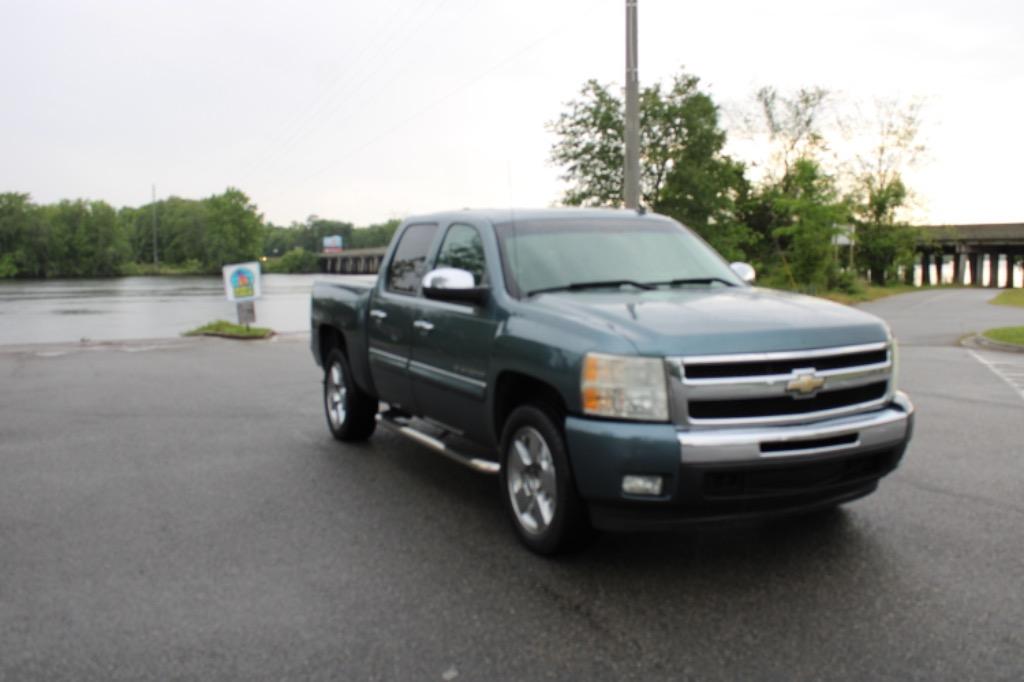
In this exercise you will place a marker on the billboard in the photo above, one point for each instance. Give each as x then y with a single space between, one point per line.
333 244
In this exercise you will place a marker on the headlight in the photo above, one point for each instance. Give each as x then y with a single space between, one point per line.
624 387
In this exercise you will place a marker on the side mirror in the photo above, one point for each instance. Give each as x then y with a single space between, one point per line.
744 271
454 285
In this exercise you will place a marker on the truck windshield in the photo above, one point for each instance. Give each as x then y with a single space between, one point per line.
576 255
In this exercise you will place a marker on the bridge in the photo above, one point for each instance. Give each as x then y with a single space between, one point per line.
353 261
968 248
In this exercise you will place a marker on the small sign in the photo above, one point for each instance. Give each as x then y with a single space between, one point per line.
333 244
242 281
246 313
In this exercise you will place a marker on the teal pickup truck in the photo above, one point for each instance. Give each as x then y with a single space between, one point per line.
612 370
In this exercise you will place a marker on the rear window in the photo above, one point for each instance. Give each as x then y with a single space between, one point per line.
410 262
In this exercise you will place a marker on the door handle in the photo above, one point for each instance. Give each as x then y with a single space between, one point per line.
423 325
378 314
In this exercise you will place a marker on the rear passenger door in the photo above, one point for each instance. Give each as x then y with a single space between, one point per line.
451 343
393 309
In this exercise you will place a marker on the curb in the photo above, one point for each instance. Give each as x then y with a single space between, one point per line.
985 343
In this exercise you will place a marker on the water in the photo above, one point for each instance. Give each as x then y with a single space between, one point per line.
55 311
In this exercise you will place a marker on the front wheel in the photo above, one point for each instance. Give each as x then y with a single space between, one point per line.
536 482
351 412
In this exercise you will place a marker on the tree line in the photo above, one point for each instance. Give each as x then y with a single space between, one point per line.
84 238
816 209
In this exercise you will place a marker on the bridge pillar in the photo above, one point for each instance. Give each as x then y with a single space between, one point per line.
993 270
926 269
957 269
974 260
1011 266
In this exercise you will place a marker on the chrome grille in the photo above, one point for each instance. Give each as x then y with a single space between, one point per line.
780 388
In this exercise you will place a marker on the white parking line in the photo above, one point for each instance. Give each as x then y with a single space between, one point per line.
1010 372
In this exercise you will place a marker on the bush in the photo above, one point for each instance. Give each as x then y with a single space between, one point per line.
298 260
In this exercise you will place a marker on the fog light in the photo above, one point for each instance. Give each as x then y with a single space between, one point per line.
642 485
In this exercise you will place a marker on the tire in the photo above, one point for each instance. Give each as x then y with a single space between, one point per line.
536 483
351 412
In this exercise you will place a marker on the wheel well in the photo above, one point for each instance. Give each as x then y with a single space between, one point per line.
330 338
514 389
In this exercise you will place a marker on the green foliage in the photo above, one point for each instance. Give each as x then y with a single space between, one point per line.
230 330
376 235
1014 297
294 261
1013 335
683 170
808 215
8 268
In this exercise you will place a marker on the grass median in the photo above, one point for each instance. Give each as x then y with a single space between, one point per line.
230 330
1010 335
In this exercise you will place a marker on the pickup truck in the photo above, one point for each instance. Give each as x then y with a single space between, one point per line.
612 369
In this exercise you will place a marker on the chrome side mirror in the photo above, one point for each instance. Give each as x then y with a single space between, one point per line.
744 271
453 284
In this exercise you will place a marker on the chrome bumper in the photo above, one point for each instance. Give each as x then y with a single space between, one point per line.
885 428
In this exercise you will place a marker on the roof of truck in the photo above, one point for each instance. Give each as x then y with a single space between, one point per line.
505 215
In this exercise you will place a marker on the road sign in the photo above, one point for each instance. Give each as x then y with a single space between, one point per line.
242 281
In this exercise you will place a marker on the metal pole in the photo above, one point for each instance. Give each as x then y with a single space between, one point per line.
631 189
156 261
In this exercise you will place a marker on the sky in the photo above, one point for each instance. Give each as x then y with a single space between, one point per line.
366 111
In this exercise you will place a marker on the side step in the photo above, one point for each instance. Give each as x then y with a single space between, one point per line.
404 426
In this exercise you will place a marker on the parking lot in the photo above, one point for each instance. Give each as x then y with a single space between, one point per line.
178 510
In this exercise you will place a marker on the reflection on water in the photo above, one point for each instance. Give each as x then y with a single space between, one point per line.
142 307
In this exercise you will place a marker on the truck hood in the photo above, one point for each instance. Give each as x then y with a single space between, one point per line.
711 320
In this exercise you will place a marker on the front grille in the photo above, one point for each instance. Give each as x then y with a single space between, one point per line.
780 387
768 367
775 407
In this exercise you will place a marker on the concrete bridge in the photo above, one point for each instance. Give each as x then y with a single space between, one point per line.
968 248
353 261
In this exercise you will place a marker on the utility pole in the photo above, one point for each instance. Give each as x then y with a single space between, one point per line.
631 189
156 261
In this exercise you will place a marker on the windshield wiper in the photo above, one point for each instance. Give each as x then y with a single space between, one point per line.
692 280
579 286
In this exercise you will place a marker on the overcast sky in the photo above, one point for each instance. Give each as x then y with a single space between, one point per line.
364 111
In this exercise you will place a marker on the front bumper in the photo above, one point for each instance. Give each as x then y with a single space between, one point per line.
736 472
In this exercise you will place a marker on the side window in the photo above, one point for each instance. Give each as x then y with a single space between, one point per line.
410 261
463 249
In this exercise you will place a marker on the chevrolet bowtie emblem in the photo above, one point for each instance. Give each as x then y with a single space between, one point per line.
804 383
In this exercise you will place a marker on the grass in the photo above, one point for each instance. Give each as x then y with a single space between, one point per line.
1014 297
869 293
1012 335
230 330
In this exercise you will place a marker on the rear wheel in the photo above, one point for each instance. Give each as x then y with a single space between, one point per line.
351 412
536 481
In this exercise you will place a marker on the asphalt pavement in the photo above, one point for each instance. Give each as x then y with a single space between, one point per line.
178 510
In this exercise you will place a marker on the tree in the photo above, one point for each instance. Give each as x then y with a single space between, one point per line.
234 230
683 172
883 242
791 125
17 217
808 213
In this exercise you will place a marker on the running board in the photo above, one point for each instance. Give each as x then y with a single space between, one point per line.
483 466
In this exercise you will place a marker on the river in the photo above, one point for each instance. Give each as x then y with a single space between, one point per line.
59 311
